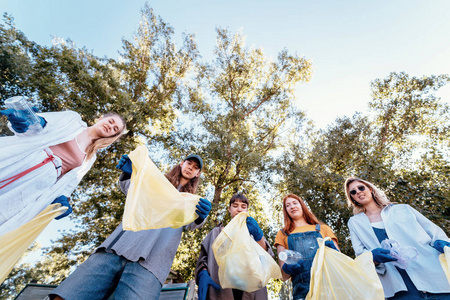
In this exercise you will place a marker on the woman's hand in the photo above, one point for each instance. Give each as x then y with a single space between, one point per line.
294 269
20 125
125 164
381 255
64 202
440 244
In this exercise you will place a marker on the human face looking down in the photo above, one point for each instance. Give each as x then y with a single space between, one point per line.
237 207
362 197
108 126
190 169
293 208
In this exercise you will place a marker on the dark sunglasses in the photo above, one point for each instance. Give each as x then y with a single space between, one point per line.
360 188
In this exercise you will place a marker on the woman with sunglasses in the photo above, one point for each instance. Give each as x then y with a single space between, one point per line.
376 219
300 233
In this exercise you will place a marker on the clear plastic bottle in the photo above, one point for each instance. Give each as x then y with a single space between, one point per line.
23 110
404 254
290 257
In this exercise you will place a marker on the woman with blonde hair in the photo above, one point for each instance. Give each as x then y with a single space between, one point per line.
376 219
300 232
40 168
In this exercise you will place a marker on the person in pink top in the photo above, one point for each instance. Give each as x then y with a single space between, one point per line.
37 169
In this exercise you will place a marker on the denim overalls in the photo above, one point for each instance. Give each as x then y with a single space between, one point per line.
306 244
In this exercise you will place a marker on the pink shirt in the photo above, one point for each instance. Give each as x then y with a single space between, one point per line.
70 154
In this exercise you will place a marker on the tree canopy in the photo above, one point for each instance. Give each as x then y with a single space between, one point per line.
238 113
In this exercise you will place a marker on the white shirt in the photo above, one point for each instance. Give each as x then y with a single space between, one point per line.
410 228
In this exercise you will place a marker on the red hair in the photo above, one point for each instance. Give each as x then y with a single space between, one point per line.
289 224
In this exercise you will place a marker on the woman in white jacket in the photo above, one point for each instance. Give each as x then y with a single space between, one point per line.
375 219
37 169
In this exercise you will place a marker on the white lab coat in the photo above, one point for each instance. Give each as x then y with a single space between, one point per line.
409 228
22 200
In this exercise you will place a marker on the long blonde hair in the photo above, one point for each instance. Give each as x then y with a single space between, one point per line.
105 142
378 195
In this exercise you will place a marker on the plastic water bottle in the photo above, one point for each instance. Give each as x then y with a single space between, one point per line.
23 110
404 254
290 257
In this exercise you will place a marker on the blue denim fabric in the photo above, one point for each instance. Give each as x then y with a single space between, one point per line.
306 244
105 273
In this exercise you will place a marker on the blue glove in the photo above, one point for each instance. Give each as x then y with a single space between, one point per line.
64 202
20 125
440 244
254 229
125 164
203 209
331 245
294 269
204 281
381 255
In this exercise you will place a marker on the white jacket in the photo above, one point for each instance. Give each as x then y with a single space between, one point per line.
409 228
61 127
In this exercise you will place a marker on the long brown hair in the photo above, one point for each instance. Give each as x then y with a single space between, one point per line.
105 142
289 224
174 177
378 195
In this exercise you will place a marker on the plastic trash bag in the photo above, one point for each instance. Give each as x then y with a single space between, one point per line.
444 258
152 201
243 263
404 254
13 244
336 276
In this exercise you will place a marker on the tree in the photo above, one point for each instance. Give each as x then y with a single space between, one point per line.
140 87
237 108
401 149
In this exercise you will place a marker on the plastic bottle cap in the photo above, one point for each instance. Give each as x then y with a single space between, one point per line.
283 256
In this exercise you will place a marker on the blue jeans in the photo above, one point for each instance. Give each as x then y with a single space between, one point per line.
105 273
306 244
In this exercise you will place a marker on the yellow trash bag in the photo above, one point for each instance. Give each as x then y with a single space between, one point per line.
13 244
243 264
444 258
334 275
152 201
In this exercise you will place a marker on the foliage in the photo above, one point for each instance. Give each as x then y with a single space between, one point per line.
401 150
140 87
237 113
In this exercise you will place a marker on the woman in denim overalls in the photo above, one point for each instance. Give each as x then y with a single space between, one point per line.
300 233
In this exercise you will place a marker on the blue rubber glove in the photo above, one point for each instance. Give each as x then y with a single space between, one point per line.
331 245
125 164
381 255
294 269
440 244
203 209
20 125
254 229
64 202
204 281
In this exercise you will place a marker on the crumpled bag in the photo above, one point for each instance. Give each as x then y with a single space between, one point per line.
152 201
444 258
13 244
334 275
243 264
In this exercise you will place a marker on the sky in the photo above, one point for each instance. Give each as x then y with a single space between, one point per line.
350 43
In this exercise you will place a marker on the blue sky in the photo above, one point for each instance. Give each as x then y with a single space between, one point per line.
349 42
